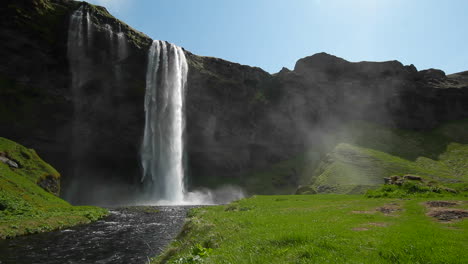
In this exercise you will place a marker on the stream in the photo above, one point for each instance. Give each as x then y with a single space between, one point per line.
127 235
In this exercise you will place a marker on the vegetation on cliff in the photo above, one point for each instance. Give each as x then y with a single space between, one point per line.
39 18
28 201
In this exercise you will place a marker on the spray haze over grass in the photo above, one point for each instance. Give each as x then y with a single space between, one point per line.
357 155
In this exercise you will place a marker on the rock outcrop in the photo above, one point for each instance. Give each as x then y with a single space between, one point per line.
239 118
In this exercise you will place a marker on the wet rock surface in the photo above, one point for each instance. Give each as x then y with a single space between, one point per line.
127 235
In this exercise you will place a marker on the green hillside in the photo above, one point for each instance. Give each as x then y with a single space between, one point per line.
357 156
25 207
348 169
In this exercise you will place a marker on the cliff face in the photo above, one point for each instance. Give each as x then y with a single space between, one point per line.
222 107
239 118
249 120
90 137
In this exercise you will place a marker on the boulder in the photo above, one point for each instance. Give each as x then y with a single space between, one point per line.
9 162
412 177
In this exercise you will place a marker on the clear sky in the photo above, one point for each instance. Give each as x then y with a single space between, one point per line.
274 33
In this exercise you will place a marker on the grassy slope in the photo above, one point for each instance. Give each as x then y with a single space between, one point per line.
361 154
319 229
27 208
348 166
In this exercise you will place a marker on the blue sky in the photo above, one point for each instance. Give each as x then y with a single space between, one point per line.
274 33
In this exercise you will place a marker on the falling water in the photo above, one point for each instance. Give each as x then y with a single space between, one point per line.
79 40
76 47
90 66
122 54
162 152
89 28
122 47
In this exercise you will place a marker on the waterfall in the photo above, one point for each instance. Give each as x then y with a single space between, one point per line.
89 29
122 48
162 151
79 40
122 54
76 47
100 71
99 59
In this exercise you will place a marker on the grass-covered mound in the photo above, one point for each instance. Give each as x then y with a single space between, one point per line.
356 156
25 207
349 167
323 229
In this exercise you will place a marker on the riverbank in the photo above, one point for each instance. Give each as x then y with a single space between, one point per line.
325 229
128 235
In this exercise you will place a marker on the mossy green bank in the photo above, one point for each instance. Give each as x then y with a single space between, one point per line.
27 208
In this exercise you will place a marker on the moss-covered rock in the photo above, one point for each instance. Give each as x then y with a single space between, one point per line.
306 190
30 165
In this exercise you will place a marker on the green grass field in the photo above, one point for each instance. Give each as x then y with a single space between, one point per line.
320 229
25 207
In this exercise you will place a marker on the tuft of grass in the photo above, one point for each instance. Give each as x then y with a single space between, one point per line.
27 208
414 189
320 229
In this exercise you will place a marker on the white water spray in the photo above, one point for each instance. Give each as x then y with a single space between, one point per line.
89 28
122 47
122 54
162 152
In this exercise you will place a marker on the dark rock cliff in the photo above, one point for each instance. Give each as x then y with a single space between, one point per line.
239 118
37 106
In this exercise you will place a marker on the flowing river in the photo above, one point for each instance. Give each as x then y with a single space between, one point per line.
127 235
